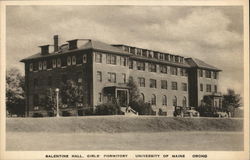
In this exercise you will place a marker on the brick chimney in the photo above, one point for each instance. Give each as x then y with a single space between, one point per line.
55 43
44 49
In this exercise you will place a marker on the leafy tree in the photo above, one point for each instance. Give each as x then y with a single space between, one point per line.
231 101
206 109
134 92
50 101
72 93
15 101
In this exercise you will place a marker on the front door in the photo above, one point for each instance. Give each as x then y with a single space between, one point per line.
122 98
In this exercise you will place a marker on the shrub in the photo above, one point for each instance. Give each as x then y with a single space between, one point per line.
142 108
37 115
108 109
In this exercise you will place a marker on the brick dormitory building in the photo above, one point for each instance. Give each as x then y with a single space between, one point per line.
165 80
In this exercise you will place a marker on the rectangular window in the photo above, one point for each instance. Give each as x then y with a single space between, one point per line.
49 64
98 58
166 57
110 59
100 97
164 84
181 71
84 58
163 69
123 61
201 87
139 51
215 88
152 83
141 81
140 65
184 86
161 56
174 86
171 58
173 70
144 53
200 73
68 60
176 59
215 75
208 87
112 77
130 63
208 74
152 67
99 76
124 77
156 55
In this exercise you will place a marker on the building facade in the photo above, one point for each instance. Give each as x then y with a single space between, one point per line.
103 71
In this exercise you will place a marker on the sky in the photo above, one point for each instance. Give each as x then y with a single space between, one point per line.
212 34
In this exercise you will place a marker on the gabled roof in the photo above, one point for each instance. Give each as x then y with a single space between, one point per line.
194 62
91 44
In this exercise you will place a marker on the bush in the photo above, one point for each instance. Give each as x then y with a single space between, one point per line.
108 109
37 115
142 108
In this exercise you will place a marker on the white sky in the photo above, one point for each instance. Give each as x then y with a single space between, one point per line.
212 34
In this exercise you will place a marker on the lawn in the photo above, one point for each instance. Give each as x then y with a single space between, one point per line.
124 133
215 141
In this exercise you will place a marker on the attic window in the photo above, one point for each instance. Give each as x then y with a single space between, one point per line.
72 44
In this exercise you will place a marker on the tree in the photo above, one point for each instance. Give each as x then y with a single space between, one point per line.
134 92
15 101
50 101
231 101
108 109
72 94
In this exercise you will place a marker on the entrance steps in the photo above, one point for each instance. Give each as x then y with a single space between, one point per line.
128 111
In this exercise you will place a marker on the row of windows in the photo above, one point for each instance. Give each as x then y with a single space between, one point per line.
164 84
57 63
111 77
165 100
153 54
153 68
208 74
208 88
110 59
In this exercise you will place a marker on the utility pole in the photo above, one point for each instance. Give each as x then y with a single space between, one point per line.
57 102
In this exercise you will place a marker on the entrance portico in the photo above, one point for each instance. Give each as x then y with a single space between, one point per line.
119 93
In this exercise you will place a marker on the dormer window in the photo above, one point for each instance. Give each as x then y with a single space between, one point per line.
31 67
177 59
44 65
166 57
171 58
69 61
151 54
156 55
144 53
74 60
161 56
72 44
40 66
54 63
58 62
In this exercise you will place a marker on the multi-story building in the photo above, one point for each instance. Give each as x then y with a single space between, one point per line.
102 70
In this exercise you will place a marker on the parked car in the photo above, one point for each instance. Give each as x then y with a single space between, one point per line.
185 112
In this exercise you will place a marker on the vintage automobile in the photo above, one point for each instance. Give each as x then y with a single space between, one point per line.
185 112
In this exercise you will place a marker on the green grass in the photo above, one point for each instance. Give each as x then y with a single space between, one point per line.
121 124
